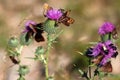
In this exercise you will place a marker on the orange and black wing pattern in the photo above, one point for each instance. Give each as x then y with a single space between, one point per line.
65 19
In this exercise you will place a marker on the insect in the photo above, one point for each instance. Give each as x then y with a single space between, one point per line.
97 59
15 61
46 8
115 34
36 32
107 67
65 19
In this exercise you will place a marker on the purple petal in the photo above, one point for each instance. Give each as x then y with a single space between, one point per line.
97 50
54 14
108 42
104 60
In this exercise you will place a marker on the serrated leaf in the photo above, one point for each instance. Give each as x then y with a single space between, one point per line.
39 50
50 78
93 43
21 78
92 65
12 52
81 72
23 70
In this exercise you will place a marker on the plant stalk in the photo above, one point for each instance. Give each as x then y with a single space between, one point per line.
89 68
49 42
109 36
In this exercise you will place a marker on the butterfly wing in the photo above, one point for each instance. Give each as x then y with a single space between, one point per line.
65 19
28 35
107 67
39 31
39 37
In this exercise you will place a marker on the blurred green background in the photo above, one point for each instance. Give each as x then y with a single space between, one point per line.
89 16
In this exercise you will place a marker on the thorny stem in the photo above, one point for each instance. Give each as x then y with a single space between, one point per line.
109 36
49 42
20 51
89 68
102 38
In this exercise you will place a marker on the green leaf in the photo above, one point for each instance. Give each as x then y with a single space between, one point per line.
50 78
91 65
12 52
23 70
21 78
81 72
40 50
49 26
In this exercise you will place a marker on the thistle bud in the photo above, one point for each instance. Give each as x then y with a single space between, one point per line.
23 70
13 42
39 50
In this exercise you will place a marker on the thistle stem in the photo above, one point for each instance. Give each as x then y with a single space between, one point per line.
20 52
49 42
109 36
89 68
46 65
102 38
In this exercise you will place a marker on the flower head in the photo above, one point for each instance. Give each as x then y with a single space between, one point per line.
109 52
106 49
54 14
106 28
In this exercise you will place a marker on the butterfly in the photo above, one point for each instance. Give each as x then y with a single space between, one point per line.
97 59
107 67
36 32
114 34
65 19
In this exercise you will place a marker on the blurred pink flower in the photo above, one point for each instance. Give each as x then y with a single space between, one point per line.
54 14
106 28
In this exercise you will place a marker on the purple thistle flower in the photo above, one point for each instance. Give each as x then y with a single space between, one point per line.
27 25
110 51
106 49
106 28
54 14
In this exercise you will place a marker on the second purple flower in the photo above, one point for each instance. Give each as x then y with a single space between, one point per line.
106 28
